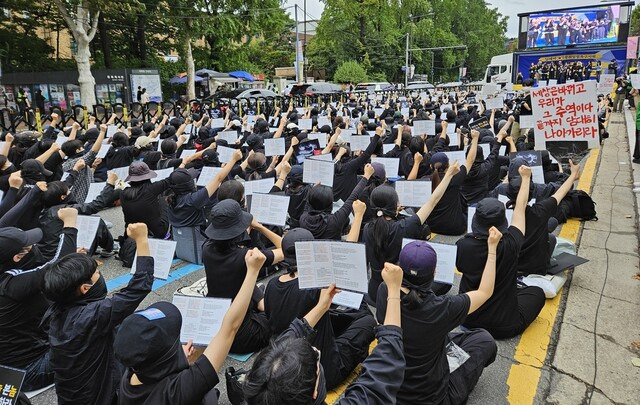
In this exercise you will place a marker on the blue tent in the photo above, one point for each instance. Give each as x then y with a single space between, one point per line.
241 74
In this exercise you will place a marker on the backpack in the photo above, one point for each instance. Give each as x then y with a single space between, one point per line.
581 205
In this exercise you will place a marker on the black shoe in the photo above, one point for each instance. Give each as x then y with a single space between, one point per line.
636 160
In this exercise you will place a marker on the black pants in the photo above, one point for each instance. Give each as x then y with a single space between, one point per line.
482 350
636 149
104 239
255 332
353 347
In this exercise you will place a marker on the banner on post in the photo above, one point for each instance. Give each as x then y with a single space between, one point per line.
566 112
632 47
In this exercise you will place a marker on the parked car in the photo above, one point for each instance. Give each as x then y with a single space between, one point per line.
373 86
420 86
315 89
222 97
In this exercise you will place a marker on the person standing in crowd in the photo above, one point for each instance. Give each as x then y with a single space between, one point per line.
636 149
144 97
139 94
39 99
23 101
622 86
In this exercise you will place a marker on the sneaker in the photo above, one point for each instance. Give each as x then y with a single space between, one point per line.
105 254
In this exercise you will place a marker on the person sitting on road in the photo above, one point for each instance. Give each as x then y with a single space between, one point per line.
289 372
511 309
428 378
158 371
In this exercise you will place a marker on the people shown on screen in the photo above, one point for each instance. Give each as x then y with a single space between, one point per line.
570 29
563 72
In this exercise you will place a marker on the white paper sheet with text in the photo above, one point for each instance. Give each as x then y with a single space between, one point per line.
274 147
162 252
207 174
269 209
318 171
391 165
321 263
413 193
258 186
87 226
201 317
446 260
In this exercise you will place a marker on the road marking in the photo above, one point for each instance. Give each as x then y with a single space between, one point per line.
184 270
531 351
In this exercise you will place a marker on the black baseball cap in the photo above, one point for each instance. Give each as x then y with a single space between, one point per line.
147 335
32 166
13 240
289 243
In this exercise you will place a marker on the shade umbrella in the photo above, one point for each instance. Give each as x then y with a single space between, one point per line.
182 79
241 74
211 73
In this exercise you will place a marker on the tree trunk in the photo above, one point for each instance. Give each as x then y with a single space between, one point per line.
105 43
85 77
83 28
142 43
191 69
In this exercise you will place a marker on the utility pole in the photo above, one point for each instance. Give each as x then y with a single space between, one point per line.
406 63
433 51
304 47
296 46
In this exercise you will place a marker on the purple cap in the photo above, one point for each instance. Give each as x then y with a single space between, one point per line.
418 261
440 157
378 170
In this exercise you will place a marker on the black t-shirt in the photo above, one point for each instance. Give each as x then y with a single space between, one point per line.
501 310
449 217
193 385
285 301
119 157
226 270
146 207
407 227
425 337
534 255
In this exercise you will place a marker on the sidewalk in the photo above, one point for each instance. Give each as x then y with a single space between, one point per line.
591 360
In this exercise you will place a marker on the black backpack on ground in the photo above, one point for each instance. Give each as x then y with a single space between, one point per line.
577 204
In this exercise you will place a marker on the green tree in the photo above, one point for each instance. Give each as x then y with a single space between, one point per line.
350 72
373 32
634 27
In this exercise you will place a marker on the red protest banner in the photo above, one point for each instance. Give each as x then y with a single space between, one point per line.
566 112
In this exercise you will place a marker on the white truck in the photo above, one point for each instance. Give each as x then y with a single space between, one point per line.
500 69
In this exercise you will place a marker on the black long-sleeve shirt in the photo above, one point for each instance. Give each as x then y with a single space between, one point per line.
345 177
81 339
22 306
382 372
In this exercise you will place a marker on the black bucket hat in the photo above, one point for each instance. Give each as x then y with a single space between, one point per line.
228 220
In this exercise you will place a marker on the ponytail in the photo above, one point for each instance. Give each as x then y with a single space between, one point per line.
413 300
380 235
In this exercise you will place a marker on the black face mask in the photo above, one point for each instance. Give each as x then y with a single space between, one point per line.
31 260
97 292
